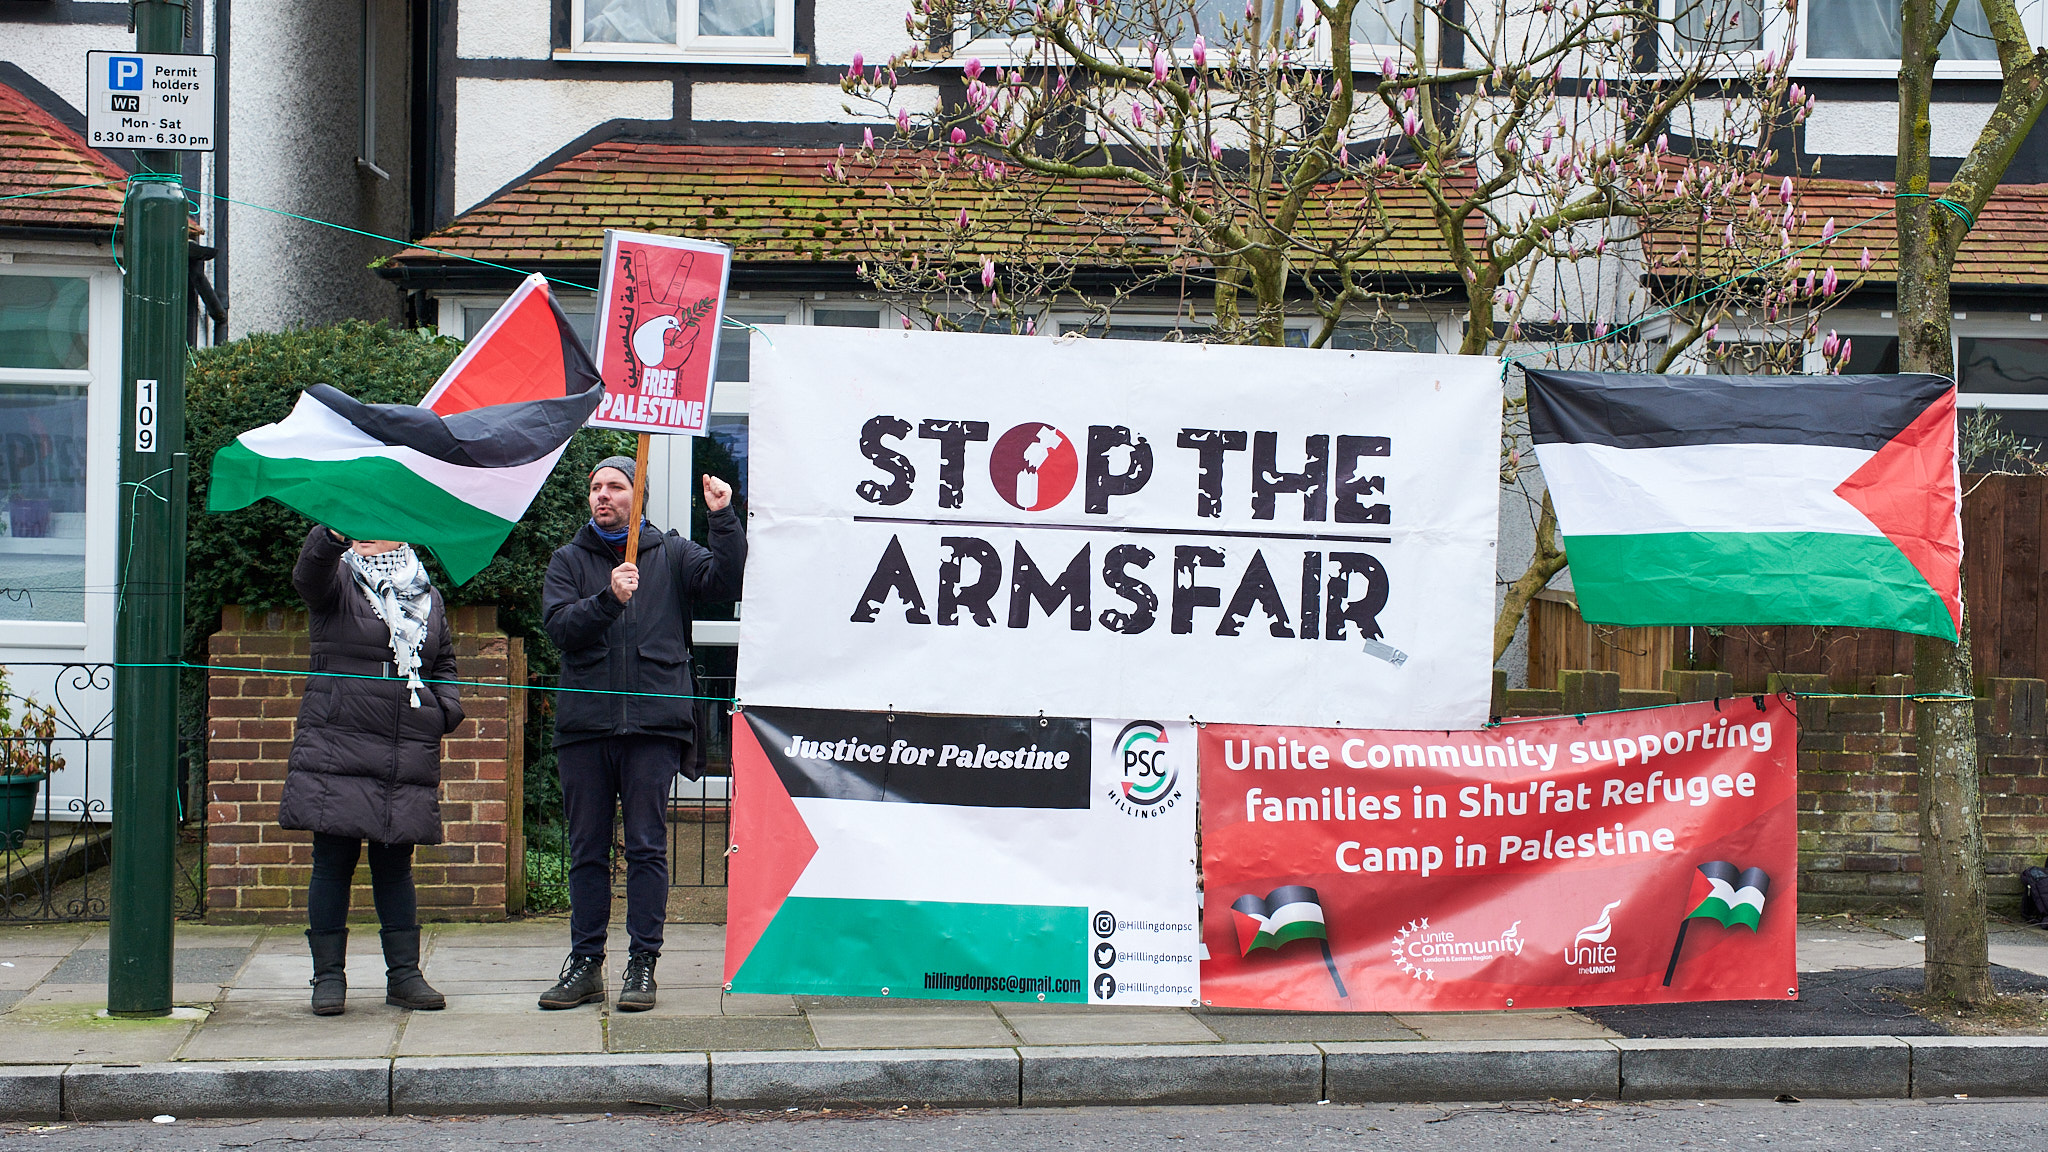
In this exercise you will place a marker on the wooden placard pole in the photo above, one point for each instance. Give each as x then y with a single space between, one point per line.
639 495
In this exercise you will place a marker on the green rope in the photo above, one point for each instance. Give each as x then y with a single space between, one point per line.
186 665
54 191
1960 212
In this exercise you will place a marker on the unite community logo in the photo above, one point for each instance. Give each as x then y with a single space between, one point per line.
1149 782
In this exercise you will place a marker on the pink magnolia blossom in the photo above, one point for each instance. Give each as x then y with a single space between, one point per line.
988 274
1030 327
1863 262
1600 88
860 65
988 125
1158 67
1201 52
1137 115
903 119
958 136
906 323
1215 150
1712 331
1600 330
1848 350
1785 192
962 221
1806 289
1829 282
1830 346
867 138
1514 145
1250 12
971 69
1409 124
1663 143
1729 234
1386 66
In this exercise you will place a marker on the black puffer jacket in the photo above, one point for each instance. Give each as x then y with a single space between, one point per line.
610 648
365 762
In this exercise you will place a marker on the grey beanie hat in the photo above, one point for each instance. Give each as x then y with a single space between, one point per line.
622 463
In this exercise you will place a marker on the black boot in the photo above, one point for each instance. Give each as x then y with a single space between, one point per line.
330 970
636 988
404 985
582 982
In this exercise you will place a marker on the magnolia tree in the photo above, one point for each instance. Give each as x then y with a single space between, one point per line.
1269 160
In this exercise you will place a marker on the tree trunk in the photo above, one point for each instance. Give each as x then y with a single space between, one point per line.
1958 962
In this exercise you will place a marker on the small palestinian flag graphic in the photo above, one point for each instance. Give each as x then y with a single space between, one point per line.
1724 893
1288 913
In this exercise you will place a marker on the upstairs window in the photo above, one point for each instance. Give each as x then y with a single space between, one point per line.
689 27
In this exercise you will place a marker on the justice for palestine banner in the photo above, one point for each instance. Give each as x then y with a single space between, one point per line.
1039 859
1618 859
946 522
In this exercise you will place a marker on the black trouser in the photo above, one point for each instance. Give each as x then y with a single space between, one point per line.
630 775
334 869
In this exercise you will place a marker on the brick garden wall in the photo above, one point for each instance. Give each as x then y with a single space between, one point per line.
1859 785
257 872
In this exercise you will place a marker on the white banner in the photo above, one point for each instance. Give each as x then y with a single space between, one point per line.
1000 524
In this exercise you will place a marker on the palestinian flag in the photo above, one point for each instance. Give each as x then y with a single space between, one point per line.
1722 892
454 473
1831 500
1287 913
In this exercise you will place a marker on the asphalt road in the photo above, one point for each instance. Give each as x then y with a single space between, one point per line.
1853 1126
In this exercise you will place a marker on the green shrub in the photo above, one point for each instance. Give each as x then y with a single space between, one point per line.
245 557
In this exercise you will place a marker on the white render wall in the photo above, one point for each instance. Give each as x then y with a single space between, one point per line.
1872 127
505 127
503 29
801 103
55 53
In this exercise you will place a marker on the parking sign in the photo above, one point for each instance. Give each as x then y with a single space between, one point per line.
150 100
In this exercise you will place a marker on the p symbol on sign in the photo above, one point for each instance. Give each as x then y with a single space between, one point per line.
124 73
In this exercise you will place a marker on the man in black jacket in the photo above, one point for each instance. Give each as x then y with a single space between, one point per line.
624 718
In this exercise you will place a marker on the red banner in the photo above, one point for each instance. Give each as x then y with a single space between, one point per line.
1634 857
661 300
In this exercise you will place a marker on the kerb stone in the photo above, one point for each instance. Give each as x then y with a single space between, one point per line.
582 1083
1471 1070
1821 1066
957 1078
1174 1074
31 1092
1979 1065
239 1088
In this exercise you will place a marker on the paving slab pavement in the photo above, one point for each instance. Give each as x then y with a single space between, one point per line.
252 986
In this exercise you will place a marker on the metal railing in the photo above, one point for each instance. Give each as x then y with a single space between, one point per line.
59 833
698 818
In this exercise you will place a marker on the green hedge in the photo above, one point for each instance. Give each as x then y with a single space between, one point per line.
246 557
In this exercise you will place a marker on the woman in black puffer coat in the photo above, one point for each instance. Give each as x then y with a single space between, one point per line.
366 762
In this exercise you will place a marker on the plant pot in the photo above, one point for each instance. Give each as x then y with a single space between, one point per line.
18 806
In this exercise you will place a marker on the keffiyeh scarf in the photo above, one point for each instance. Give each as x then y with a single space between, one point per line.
400 592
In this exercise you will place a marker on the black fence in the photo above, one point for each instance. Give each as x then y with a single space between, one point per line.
53 851
698 818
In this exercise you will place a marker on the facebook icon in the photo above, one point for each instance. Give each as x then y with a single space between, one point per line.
124 73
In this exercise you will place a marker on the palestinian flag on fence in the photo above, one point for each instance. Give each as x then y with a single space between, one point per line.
1286 914
1722 892
1829 500
455 472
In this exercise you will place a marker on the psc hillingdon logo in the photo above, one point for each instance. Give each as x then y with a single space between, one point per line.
1149 782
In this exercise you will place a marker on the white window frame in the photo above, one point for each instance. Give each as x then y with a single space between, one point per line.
2033 13
690 46
92 637
2002 328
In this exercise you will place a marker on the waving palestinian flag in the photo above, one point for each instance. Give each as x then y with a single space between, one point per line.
1830 500
454 473
1288 913
1723 893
